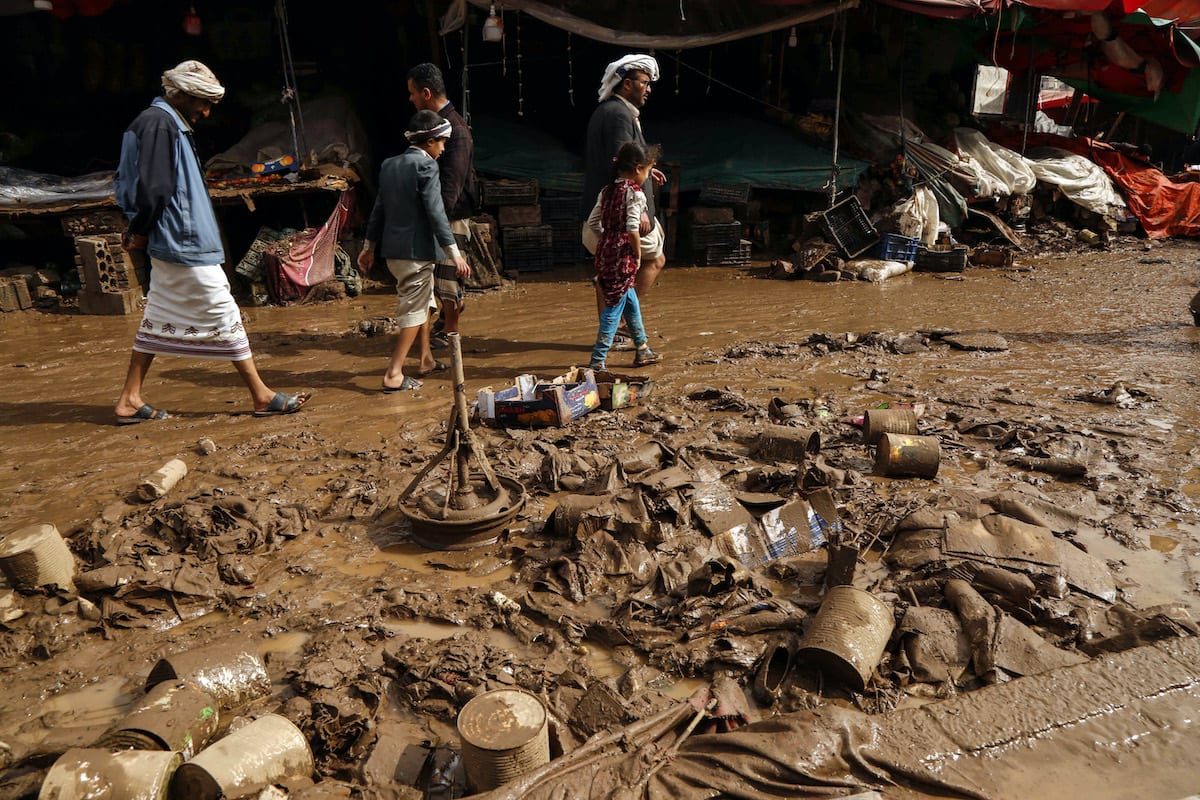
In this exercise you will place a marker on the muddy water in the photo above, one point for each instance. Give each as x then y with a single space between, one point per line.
1075 325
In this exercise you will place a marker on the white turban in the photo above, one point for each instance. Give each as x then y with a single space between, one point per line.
617 70
440 131
192 77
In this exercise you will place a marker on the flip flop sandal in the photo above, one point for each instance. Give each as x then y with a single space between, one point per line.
438 366
284 404
143 414
407 385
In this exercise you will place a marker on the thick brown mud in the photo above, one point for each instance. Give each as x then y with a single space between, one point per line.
1080 328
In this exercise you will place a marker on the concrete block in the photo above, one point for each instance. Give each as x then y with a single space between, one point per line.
8 297
109 303
104 266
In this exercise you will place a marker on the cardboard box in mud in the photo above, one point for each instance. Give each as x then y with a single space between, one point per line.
546 404
620 391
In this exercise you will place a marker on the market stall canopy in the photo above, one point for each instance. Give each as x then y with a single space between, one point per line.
1181 11
696 23
1149 69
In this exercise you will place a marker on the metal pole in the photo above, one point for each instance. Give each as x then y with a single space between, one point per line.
837 113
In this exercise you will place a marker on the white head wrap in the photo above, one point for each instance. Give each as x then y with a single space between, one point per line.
439 131
617 70
192 77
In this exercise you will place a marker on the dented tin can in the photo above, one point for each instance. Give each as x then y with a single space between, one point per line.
87 773
268 750
847 636
174 715
231 671
505 734
878 421
898 455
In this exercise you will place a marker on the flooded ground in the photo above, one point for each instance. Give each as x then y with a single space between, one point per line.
345 578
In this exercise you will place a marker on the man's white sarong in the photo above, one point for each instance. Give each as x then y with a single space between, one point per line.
190 311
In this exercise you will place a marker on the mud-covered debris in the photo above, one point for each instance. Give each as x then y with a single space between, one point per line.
1120 394
979 340
600 707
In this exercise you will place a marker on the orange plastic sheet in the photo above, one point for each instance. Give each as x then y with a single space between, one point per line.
1164 207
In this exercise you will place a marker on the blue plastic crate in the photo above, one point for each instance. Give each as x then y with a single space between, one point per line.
894 247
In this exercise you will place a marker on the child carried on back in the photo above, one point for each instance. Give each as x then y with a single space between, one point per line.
616 220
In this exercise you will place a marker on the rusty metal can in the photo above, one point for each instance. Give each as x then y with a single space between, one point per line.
505 734
878 421
897 455
847 636
174 715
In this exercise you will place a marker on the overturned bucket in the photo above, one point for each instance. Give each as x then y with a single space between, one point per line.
847 637
505 734
267 751
36 556
174 715
85 774
898 455
878 421
231 671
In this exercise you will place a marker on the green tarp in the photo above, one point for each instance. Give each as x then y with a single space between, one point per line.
711 148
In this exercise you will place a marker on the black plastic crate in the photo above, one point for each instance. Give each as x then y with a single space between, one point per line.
529 260
727 233
510 192
722 255
527 237
713 193
570 253
848 228
934 260
564 208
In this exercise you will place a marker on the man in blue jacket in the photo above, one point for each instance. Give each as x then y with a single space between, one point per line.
409 223
160 187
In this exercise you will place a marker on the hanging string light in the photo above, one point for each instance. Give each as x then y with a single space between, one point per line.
677 73
520 72
503 47
570 72
466 80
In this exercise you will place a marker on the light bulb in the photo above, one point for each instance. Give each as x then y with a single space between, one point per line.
792 41
191 22
493 26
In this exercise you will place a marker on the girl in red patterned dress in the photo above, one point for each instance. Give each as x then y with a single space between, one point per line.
616 220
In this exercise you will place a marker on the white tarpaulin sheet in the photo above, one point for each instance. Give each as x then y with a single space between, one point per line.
1080 180
1001 171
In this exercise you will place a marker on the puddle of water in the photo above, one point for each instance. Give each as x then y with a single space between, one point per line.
288 643
413 557
425 629
96 704
1163 544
